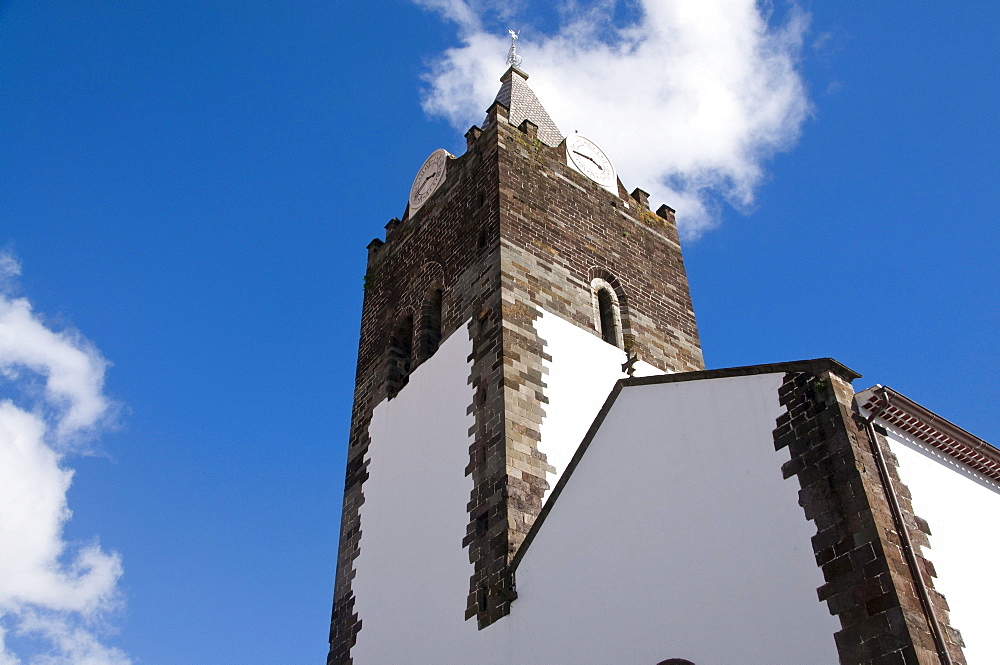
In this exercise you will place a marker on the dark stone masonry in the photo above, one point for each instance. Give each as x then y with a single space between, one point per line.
511 230
869 585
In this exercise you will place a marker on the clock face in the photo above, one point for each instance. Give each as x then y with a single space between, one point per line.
584 155
429 178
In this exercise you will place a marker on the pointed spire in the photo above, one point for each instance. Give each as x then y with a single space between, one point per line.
520 99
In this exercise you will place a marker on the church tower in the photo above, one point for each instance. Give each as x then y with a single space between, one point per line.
530 254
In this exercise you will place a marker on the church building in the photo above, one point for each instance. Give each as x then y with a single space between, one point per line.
541 470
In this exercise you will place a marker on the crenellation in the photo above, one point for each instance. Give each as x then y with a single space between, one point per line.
667 213
472 136
390 228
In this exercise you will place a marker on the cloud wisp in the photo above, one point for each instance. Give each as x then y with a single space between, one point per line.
691 98
54 595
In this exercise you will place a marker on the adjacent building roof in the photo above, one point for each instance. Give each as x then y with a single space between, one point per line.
922 424
520 99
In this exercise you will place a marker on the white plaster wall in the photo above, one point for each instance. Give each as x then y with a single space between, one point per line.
963 510
676 537
412 574
583 370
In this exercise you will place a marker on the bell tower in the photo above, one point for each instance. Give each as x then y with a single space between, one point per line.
529 251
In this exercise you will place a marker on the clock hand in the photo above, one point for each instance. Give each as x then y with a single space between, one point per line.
575 152
423 185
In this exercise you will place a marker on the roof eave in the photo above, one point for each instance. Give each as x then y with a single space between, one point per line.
917 421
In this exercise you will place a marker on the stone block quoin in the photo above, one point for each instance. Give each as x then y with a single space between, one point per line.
868 584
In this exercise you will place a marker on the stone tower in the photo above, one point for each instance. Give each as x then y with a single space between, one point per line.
526 225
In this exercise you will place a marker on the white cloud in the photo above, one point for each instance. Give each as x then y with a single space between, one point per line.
71 645
51 592
72 369
690 99
9 265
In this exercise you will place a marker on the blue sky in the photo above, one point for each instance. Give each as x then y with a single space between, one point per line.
189 187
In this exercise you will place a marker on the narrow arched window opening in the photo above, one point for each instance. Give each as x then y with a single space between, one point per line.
606 310
608 319
400 359
429 335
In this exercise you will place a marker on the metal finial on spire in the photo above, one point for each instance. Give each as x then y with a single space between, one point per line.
513 59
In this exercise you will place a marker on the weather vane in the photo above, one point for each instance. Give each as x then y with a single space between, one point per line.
513 59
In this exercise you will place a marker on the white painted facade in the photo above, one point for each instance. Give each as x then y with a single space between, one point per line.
412 574
962 508
583 370
676 536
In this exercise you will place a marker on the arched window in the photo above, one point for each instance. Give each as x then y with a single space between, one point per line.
400 359
607 312
429 331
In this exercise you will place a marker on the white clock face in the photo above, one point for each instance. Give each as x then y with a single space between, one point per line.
429 178
584 155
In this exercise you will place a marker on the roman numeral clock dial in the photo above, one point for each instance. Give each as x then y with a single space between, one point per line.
584 156
429 178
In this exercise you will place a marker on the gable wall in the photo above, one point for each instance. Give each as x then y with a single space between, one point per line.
677 537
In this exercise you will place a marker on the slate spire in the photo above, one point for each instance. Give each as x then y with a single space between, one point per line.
524 105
